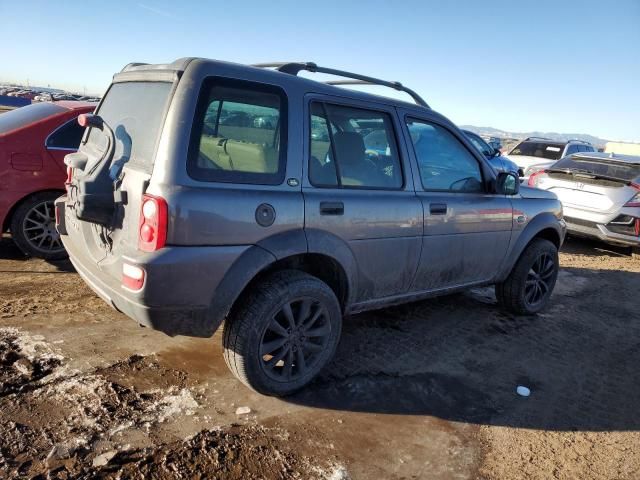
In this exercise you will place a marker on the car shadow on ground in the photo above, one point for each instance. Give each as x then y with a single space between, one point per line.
9 251
593 248
461 358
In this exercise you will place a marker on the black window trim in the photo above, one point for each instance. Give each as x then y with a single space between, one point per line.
67 149
481 162
197 125
356 106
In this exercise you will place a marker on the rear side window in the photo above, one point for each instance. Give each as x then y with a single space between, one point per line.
238 133
23 116
135 113
352 147
67 137
444 162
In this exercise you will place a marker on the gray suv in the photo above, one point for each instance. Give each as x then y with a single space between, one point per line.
206 191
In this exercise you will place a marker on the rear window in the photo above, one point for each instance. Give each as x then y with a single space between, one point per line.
23 116
550 151
622 171
135 113
238 133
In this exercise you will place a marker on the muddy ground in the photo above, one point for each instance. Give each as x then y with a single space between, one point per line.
425 390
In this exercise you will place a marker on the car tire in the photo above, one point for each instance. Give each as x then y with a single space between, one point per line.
635 253
528 287
283 333
33 227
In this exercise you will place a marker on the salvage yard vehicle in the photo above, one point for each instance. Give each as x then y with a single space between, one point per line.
500 163
33 143
536 153
342 202
600 193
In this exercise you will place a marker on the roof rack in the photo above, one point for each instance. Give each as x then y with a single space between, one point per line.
539 138
579 141
293 68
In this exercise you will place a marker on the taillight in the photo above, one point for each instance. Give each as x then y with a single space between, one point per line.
635 201
534 178
67 182
152 227
132 276
637 227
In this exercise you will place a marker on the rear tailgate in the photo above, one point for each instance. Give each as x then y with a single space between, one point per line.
135 112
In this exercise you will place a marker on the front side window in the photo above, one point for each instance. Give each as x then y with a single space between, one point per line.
67 137
353 148
238 134
444 163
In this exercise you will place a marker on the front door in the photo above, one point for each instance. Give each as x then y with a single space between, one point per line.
359 189
467 228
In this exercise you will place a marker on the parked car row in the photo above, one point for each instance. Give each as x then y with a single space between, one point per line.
36 95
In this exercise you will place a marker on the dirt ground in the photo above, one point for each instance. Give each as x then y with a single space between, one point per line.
426 390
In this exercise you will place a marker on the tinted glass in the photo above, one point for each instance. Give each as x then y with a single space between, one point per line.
135 113
623 171
238 134
23 116
444 163
550 151
352 147
572 149
68 136
480 144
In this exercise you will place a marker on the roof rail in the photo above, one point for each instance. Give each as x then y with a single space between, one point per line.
579 141
293 68
538 138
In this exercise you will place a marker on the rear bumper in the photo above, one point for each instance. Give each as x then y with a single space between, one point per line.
178 292
585 228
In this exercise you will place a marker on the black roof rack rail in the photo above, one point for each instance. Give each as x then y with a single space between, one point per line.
293 68
540 138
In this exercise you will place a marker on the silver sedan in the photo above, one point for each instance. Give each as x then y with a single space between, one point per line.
600 195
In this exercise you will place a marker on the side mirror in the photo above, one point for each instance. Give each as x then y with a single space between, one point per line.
507 183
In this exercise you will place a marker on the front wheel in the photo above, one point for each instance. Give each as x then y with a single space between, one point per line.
285 331
528 287
33 227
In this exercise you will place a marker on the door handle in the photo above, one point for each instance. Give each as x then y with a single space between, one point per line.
438 208
331 208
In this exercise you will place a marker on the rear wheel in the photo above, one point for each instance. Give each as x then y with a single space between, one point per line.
528 287
286 330
33 227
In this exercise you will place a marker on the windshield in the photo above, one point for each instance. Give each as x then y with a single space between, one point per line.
604 167
548 150
135 113
23 116
480 144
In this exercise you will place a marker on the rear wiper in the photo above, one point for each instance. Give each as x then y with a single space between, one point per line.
587 174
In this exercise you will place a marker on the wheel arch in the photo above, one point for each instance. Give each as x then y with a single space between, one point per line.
544 225
326 257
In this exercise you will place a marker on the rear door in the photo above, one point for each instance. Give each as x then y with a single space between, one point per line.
467 229
135 111
359 188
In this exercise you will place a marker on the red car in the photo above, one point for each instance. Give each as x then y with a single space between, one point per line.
33 143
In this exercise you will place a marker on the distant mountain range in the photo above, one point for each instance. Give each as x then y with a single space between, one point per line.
494 132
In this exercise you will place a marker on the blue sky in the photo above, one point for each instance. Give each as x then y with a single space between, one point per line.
566 66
